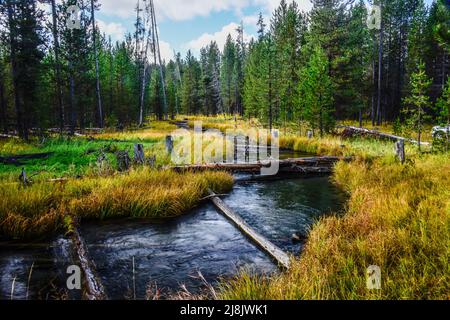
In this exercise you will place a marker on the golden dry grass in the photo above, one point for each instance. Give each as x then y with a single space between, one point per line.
40 209
397 218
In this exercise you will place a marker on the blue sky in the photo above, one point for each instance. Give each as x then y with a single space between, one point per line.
190 24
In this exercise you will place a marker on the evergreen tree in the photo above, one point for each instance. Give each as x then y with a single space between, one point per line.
190 98
316 92
417 103
227 76
26 53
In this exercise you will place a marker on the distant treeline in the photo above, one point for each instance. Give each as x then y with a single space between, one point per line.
315 67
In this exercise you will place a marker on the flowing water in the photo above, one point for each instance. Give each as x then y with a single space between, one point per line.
132 255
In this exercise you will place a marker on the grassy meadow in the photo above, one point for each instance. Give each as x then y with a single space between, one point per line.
397 215
85 190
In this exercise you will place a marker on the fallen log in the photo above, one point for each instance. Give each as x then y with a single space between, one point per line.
350 131
95 290
276 253
8 136
310 165
17 159
285 175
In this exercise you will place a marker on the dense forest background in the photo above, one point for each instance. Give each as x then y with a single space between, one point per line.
318 67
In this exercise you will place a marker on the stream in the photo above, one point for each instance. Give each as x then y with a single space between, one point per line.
131 256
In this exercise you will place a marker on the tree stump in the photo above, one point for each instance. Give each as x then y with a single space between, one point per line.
139 156
23 177
247 149
152 161
235 149
123 160
102 161
169 144
400 150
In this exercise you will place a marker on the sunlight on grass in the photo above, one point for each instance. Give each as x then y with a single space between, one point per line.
397 218
142 193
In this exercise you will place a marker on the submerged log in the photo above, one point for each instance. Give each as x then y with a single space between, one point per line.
95 289
276 253
352 131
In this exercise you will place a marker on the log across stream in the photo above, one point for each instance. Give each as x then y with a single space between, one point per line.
171 253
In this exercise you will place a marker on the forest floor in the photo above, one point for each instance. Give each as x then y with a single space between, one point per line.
397 215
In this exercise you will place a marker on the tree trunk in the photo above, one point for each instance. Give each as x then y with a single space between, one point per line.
57 68
373 112
97 76
419 131
360 118
12 41
111 107
72 98
380 71
161 73
3 122
270 92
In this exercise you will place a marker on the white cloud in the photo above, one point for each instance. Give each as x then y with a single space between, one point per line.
176 10
271 5
166 51
179 10
250 20
220 37
115 30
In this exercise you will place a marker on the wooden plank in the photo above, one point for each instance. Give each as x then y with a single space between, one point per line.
276 253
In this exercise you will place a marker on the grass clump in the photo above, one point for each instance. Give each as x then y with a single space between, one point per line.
43 207
397 218
148 194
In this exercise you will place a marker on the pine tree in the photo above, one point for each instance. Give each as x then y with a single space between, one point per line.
288 29
417 103
190 99
227 76
26 38
316 92
355 64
